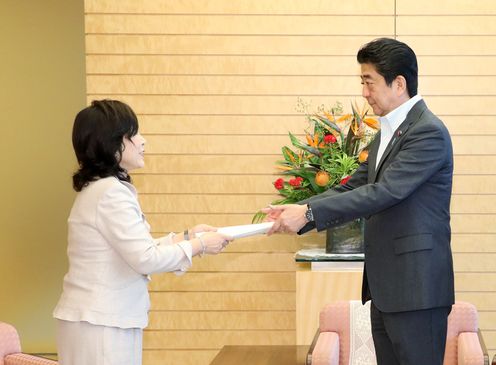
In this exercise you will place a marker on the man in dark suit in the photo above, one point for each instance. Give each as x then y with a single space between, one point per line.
403 191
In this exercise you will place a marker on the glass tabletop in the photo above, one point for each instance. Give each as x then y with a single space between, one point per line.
319 255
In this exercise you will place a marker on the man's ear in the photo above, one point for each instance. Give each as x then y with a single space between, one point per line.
400 85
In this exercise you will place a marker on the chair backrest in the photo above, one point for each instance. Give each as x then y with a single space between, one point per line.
335 317
9 341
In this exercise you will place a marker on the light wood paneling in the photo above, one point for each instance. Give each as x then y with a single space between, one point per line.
279 124
213 164
282 7
225 85
246 262
250 203
458 65
174 357
446 25
205 184
275 85
456 45
265 282
473 242
207 24
222 301
279 105
191 340
272 65
473 223
225 45
236 145
263 184
471 203
221 65
445 7
222 320
315 289
264 164
475 282
474 262
475 165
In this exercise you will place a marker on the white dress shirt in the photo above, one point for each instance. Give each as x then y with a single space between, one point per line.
390 123
111 253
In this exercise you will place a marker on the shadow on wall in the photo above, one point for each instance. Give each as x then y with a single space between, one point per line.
43 87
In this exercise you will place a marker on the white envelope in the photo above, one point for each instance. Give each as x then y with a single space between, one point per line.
244 230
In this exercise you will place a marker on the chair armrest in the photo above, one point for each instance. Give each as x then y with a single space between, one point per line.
469 349
326 350
308 360
483 347
9 340
25 359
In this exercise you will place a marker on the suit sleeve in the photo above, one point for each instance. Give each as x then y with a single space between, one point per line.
120 221
422 154
359 178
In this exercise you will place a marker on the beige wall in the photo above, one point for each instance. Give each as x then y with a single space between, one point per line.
42 87
215 85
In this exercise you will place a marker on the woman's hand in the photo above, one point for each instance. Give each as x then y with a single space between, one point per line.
201 228
210 243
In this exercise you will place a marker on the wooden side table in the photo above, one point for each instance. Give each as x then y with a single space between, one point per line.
261 355
321 280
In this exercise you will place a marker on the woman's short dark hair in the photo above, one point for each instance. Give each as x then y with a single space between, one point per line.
97 138
391 58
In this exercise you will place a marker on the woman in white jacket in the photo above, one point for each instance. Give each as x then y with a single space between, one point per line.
104 304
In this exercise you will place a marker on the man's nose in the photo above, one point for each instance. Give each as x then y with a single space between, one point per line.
365 91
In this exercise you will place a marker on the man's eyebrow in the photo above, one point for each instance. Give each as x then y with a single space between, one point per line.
366 76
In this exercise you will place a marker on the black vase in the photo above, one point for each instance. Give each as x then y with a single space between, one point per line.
346 239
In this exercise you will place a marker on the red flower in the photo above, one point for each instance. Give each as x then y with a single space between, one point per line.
279 184
345 180
330 139
296 181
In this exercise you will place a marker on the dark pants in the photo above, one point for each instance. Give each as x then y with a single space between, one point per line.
410 338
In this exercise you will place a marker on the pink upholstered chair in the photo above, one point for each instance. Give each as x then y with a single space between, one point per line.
333 343
10 349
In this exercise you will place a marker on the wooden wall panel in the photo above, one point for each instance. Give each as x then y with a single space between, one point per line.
242 7
207 24
215 85
446 7
262 45
221 65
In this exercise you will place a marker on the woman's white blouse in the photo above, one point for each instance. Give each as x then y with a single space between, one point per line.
111 253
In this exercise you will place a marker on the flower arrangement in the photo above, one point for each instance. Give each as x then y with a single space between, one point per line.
334 146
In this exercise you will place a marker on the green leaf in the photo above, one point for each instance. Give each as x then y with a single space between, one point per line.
289 155
258 217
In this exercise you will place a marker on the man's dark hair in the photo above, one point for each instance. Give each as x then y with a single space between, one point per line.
97 138
391 58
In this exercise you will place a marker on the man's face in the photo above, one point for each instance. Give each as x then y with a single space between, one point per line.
381 98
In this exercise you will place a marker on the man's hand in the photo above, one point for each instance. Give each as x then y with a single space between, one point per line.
288 218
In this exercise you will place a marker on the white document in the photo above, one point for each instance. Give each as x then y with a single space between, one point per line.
244 230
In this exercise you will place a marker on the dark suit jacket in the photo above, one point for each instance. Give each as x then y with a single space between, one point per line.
406 206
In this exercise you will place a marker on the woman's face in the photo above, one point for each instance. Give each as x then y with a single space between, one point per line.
133 154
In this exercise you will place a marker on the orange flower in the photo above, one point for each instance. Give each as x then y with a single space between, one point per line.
363 156
372 123
322 178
